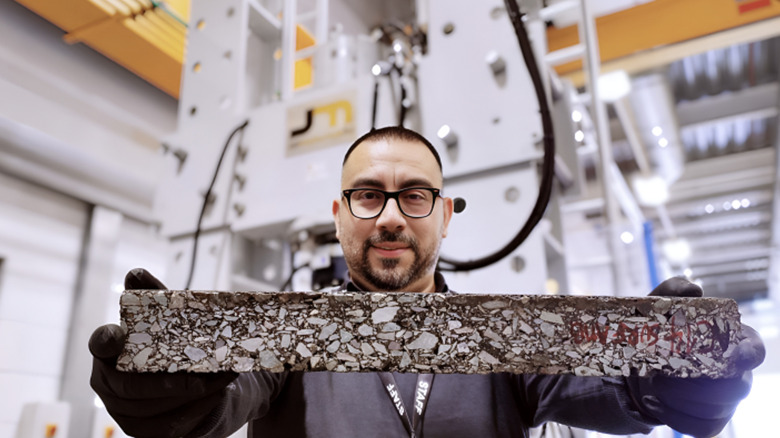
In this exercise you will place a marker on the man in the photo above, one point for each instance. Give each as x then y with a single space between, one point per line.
390 221
385 248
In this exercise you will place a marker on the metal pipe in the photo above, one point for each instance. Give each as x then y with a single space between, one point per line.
640 155
773 283
322 22
611 208
40 159
626 118
289 18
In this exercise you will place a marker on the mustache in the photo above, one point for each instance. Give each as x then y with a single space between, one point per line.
387 236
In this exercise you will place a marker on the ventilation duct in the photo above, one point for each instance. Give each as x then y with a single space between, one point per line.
652 101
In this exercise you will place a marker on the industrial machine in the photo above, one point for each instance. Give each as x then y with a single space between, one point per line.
272 95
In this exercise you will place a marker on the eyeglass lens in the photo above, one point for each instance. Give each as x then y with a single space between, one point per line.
367 203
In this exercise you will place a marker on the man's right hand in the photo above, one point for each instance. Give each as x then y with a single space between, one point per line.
150 404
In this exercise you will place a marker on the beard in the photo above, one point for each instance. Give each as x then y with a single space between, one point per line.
389 276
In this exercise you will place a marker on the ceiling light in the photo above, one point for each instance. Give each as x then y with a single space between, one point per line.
657 131
651 191
762 305
443 131
687 272
745 203
735 204
727 205
677 250
579 135
663 142
769 332
576 116
626 237
709 208
614 85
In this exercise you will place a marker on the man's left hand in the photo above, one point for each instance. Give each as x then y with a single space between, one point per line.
700 407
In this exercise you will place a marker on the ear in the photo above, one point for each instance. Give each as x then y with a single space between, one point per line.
448 209
335 208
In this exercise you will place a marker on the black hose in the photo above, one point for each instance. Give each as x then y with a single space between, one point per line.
402 112
402 109
288 283
373 105
206 203
548 166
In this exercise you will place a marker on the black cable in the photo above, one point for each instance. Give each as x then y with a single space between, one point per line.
373 106
391 78
402 112
548 166
206 202
288 282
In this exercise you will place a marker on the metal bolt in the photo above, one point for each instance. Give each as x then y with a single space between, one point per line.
518 263
241 180
242 151
496 62
448 136
180 155
211 199
512 194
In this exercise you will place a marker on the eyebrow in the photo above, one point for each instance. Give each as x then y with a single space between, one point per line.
375 183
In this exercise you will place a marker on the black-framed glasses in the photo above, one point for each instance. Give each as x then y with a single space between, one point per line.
414 202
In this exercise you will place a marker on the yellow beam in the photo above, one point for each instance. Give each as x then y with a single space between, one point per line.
134 33
149 29
652 58
170 30
129 42
147 40
68 15
662 23
180 8
126 7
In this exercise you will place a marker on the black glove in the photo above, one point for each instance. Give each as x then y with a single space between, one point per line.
150 404
699 407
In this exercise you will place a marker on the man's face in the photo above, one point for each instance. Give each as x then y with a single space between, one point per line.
392 252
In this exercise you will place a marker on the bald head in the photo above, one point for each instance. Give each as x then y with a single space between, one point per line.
389 133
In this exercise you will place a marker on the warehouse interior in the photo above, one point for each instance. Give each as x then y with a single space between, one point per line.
115 117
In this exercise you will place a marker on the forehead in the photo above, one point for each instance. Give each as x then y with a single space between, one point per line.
391 162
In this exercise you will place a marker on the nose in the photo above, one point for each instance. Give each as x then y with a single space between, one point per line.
391 218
